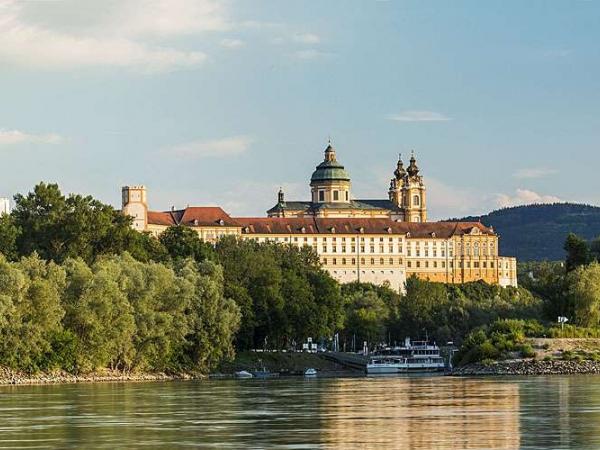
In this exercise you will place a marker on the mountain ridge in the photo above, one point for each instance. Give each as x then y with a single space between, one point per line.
537 232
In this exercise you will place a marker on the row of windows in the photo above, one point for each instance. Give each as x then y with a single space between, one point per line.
363 261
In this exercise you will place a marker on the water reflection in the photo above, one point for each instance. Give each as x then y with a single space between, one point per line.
408 413
421 413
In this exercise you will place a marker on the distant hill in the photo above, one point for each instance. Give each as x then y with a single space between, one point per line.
538 232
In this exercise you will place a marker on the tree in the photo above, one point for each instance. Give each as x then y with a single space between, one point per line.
578 252
366 315
584 288
30 311
59 227
214 319
9 233
184 242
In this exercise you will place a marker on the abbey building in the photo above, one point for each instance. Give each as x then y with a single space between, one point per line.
369 240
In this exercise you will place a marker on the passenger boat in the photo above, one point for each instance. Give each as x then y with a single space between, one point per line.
418 356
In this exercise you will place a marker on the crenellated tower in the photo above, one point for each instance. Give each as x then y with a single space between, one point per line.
135 204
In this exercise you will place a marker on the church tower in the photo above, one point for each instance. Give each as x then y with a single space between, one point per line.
135 204
413 194
330 183
396 192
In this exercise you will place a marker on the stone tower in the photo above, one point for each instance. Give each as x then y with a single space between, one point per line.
396 192
413 194
135 204
330 183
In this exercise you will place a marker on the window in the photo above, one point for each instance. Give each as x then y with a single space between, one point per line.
344 261
346 195
391 261
416 200
321 196
336 196
353 261
372 261
381 261
362 261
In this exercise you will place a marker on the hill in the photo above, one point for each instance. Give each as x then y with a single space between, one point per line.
538 232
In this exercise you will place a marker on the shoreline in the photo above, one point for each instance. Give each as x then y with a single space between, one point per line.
528 367
10 377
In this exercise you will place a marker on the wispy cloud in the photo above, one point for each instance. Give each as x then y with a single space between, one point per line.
13 137
214 148
308 54
113 33
418 116
534 172
232 43
524 197
306 38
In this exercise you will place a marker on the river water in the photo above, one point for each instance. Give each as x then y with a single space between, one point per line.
337 413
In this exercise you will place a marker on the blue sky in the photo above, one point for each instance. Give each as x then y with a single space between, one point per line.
223 102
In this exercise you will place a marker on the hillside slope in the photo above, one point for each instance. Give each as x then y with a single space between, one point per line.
538 232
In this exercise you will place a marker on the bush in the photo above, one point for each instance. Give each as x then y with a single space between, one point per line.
527 351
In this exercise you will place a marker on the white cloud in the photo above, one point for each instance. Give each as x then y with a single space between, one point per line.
534 172
524 197
214 148
308 54
418 116
124 33
12 137
232 43
306 38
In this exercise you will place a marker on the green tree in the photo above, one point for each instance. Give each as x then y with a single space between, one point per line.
59 227
214 318
30 311
578 252
9 233
366 316
184 242
584 288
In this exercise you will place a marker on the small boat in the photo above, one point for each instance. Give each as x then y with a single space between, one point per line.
310 372
264 373
419 356
243 374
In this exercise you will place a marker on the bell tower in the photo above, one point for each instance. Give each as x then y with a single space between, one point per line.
135 204
413 194
396 193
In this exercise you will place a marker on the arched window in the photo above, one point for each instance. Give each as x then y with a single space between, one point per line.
416 200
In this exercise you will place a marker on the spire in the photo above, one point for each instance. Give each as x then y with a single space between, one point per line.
399 172
330 152
413 169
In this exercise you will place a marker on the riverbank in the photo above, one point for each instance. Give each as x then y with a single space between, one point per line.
283 363
12 377
528 367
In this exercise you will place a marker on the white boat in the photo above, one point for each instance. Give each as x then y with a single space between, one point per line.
418 356
243 374
310 372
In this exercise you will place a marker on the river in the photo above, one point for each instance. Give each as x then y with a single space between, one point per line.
557 412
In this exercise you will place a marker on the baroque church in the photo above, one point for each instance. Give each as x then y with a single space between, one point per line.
377 241
331 196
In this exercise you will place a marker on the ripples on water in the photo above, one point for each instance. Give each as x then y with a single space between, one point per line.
368 413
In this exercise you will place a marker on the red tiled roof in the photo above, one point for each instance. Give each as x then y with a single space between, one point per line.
277 225
160 218
193 216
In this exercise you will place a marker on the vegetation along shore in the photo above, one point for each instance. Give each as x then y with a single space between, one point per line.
82 293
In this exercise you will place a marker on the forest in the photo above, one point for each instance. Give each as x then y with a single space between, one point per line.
81 291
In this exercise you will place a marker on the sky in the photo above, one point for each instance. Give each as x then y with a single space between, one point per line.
221 103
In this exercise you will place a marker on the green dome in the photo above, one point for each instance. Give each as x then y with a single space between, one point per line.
330 169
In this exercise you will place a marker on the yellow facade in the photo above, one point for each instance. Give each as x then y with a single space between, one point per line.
378 241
